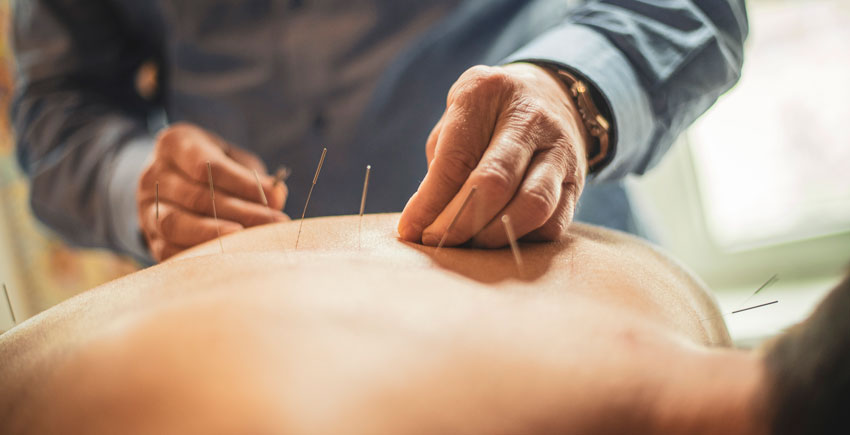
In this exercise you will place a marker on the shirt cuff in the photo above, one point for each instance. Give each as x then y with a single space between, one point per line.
124 216
589 54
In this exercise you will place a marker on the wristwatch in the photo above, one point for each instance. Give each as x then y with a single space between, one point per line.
595 123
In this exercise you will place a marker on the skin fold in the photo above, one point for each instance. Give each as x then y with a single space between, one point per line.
600 333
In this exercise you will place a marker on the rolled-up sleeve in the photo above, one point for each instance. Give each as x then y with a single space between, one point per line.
81 127
658 66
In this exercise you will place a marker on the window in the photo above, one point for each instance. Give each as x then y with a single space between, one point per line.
772 158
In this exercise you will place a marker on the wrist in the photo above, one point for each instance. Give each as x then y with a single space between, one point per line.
592 111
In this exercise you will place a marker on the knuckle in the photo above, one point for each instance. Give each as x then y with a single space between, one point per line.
572 189
480 80
560 157
574 171
485 76
525 105
545 122
539 202
199 170
427 209
167 223
477 71
458 162
565 153
198 200
535 119
172 135
164 139
493 179
154 169
148 177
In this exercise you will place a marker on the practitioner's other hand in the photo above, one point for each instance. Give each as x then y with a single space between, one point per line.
179 164
514 132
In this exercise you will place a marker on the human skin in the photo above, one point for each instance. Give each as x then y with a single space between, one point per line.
185 215
515 133
600 334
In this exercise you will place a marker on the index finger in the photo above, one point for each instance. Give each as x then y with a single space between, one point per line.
464 135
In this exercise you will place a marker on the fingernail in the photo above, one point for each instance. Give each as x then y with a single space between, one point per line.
430 239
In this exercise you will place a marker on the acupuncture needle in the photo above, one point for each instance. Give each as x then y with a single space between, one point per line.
769 281
456 216
263 195
742 310
754 307
509 230
309 194
215 214
9 302
266 203
363 206
156 196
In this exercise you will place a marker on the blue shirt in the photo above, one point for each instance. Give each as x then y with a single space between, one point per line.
366 78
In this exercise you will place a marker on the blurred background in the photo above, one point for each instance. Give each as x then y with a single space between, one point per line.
759 186
38 269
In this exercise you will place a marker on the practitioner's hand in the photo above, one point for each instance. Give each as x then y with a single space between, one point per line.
179 164
514 132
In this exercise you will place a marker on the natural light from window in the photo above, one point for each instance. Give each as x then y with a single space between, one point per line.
772 158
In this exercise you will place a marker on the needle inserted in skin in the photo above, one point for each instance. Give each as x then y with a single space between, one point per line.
215 214
156 196
457 215
9 302
265 202
309 194
741 310
263 195
770 281
363 204
509 230
754 307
